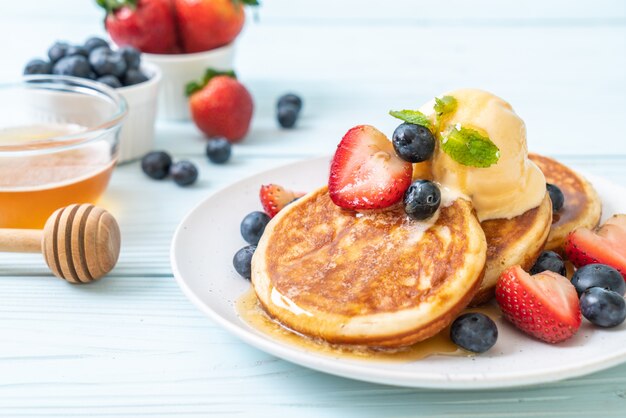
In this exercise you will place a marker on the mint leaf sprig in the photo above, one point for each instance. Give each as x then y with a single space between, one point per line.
445 105
469 147
412 116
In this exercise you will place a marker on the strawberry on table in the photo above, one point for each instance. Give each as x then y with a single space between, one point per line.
220 105
208 24
274 198
148 25
544 305
366 173
607 245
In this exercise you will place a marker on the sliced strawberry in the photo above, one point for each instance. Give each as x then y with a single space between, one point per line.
366 173
544 305
274 198
584 246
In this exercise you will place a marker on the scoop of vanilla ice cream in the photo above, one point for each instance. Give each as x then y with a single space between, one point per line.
506 189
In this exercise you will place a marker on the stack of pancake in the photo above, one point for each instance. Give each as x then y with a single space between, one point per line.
379 278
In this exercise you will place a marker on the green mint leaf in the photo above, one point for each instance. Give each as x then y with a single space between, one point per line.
411 116
445 105
469 147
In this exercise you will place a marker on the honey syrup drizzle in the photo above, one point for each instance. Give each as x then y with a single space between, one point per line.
251 312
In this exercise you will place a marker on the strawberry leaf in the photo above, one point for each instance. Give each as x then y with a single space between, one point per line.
445 105
112 5
194 86
248 2
411 116
469 147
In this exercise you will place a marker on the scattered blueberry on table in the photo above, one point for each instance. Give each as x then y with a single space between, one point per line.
551 261
156 164
413 143
288 109
218 150
603 307
94 60
242 261
422 199
184 173
474 332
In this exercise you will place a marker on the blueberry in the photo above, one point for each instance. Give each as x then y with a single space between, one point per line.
95 42
92 76
76 66
77 50
37 66
556 196
603 307
132 56
107 62
287 115
551 261
474 332
422 199
110 80
133 77
253 226
57 51
413 143
218 150
184 173
242 261
598 275
156 164
290 99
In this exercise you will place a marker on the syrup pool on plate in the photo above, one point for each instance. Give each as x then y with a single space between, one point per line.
251 312
34 185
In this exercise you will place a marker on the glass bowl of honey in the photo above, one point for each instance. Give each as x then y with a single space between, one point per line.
58 145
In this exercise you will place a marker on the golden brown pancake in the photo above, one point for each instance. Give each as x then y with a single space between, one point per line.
375 278
582 206
518 240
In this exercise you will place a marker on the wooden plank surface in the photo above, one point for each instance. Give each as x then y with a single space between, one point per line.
132 345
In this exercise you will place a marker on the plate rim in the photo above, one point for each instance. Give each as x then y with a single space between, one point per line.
359 370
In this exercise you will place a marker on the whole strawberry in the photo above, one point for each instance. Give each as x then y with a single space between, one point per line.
544 305
208 24
148 25
221 106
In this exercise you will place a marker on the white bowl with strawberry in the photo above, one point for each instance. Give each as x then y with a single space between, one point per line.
181 37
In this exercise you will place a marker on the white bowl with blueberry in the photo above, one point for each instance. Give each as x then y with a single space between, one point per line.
122 69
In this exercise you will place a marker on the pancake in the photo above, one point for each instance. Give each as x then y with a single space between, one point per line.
582 207
518 240
375 278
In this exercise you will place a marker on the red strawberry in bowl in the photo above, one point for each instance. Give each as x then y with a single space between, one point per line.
544 305
208 24
148 25
606 245
274 198
220 105
366 173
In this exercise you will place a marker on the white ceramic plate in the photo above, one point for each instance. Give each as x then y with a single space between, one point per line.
206 240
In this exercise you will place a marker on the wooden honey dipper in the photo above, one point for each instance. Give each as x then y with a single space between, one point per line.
80 243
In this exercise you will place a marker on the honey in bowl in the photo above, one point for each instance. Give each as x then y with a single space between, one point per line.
34 185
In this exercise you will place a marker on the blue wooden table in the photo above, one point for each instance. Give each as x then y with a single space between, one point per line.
132 345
